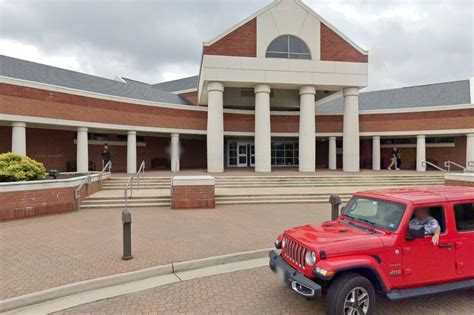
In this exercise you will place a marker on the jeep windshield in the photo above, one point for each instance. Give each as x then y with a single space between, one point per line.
376 212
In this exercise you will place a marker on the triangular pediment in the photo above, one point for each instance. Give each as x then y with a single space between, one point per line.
251 37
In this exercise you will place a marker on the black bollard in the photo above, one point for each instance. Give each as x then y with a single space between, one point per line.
335 201
127 235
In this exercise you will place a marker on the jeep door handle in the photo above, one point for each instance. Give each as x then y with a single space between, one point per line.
445 245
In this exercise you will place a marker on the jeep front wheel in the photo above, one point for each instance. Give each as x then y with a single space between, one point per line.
350 294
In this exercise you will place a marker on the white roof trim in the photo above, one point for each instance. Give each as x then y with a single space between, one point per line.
184 91
233 28
333 28
404 110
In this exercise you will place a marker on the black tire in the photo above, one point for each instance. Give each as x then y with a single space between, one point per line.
340 289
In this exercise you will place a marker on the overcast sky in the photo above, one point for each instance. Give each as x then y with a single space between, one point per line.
410 42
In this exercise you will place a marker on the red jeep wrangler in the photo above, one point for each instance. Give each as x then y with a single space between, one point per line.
371 247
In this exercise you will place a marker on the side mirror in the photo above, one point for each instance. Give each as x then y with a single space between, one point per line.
415 231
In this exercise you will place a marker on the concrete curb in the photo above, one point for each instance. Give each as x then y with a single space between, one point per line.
98 283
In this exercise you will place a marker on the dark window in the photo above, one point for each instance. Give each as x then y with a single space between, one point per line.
464 214
288 47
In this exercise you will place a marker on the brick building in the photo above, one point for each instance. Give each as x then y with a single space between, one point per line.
279 89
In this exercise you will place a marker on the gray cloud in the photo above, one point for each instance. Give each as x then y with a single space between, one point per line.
410 42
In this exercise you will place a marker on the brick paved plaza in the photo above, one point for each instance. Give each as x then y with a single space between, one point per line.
45 252
255 291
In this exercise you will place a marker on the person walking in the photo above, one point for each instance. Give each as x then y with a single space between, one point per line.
394 160
105 155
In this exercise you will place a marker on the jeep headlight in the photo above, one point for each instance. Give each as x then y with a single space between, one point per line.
310 258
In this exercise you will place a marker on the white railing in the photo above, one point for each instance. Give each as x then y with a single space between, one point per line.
129 185
448 164
77 192
426 163
105 170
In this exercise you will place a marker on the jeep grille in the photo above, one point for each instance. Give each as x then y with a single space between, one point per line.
295 253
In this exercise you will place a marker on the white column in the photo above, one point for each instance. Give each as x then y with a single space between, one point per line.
82 153
470 150
420 153
263 139
332 154
376 153
215 127
19 138
350 142
307 136
175 152
131 152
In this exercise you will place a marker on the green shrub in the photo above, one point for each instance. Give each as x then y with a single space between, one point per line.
17 167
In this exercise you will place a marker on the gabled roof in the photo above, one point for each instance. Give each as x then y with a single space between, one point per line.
35 72
189 83
437 94
276 3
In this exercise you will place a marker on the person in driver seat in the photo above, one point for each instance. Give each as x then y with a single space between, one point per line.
431 225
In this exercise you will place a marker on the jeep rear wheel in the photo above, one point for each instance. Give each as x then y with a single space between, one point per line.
350 294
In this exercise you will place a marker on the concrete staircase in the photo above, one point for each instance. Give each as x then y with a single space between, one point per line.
327 181
257 189
118 183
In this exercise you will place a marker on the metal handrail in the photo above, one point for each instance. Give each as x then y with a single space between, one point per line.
105 170
130 181
425 163
141 169
107 167
77 191
448 164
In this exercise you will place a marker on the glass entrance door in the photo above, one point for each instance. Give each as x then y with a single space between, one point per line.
242 154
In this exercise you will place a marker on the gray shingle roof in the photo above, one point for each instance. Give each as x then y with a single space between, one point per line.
438 94
179 85
31 71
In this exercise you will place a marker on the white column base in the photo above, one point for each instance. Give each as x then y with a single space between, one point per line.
82 154
351 145
470 152
332 154
215 127
131 152
263 144
175 167
420 153
376 153
307 131
19 138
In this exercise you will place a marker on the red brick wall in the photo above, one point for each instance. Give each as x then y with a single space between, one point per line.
191 97
53 148
335 48
193 197
28 203
17 100
241 42
5 139
458 183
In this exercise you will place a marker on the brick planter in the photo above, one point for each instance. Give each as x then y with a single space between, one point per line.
466 179
193 192
29 199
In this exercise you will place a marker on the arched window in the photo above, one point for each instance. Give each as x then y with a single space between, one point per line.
288 47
